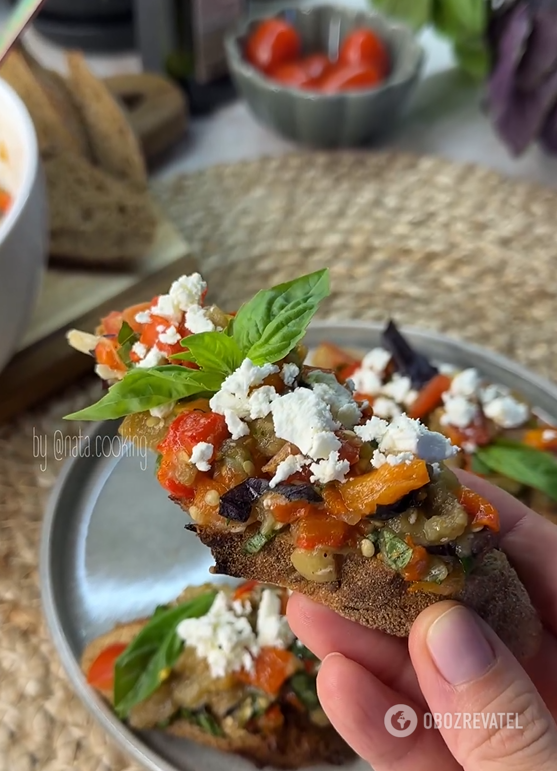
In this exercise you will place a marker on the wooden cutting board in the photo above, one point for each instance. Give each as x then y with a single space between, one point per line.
71 298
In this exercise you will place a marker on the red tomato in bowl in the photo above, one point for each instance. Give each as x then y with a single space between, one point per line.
363 46
344 77
291 74
273 42
316 65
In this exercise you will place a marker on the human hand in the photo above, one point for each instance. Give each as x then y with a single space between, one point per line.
451 663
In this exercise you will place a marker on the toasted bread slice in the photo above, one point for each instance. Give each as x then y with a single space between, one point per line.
372 594
300 743
95 219
49 124
113 142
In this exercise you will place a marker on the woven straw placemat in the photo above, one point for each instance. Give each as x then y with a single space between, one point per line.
448 247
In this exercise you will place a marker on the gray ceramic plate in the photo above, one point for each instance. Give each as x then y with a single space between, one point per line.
114 546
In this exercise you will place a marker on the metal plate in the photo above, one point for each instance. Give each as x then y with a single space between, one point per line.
114 546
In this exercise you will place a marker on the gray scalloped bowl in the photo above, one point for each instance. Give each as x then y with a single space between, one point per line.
348 119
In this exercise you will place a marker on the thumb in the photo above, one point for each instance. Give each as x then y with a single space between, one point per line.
487 709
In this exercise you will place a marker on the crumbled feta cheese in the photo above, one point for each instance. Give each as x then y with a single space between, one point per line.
201 455
373 430
398 389
493 391
386 408
376 360
170 336
405 435
153 358
549 435
187 291
379 458
366 381
469 447
458 411
272 627
236 426
166 309
330 469
287 468
507 412
466 383
447 369
341 402
289 373
242 607
260 401
143 317
163 410
411 397
161 328
197 321
222 637
303 419
140 350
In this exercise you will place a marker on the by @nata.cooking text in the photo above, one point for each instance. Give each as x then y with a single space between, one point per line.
58 446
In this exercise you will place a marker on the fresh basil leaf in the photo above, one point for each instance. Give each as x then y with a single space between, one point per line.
270 325
478 466
203 719
416 13
468 564
213 351
140 669
305 688
460 19
126 340
142 389
527 465
396 553
473 57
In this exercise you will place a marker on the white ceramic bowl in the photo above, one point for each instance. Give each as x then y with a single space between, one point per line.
24 229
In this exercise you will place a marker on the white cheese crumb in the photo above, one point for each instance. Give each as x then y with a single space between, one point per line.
373 430
260 401
458 411
187 291
201 455
162 410
466 383
386 408
402 457
303 419
153 358
377 360
140 350
507 412
447 369
224 638
340 400
143 317
287 468
366 381
330 469
197 321
272 627
166 309
236 426
493 391
469 447
289 373
405 435
170 336
398 389
549 435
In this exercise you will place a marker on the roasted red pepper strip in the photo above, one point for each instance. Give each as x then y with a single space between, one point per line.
430 396
481 512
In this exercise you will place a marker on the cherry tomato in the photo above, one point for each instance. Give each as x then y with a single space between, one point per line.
190 428
150 336
346 77
101 674
363 46
273 42
315 65
106 353
291 74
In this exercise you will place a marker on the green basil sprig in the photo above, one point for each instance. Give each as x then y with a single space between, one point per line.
126 340
141 668
213 351
532 467
142 389
396 552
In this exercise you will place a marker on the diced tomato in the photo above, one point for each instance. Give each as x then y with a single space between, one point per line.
192 427
106 353
245 589
330 356
336 507
101 673
111 324
430 396
5 201
320 530
273 42
418 566
349 77
165 475
150 335
346 371
291 74
481 512
383 486
365 47
130 313
541 438
289 511
272 668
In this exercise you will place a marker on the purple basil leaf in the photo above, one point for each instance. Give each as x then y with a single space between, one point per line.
548 136
513 30
540 58
408 361
236 503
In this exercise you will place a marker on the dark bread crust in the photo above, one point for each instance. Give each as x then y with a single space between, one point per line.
300 743
372 594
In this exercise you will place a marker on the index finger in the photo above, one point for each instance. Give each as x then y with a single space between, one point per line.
530 542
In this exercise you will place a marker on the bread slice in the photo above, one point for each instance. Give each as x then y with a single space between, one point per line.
61 98
95 219
114 145
300 743
49 124
372 594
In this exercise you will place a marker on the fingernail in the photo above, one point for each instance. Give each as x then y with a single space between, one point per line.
458 646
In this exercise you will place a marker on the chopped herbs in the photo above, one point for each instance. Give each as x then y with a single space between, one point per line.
254 544
305 688
396 553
